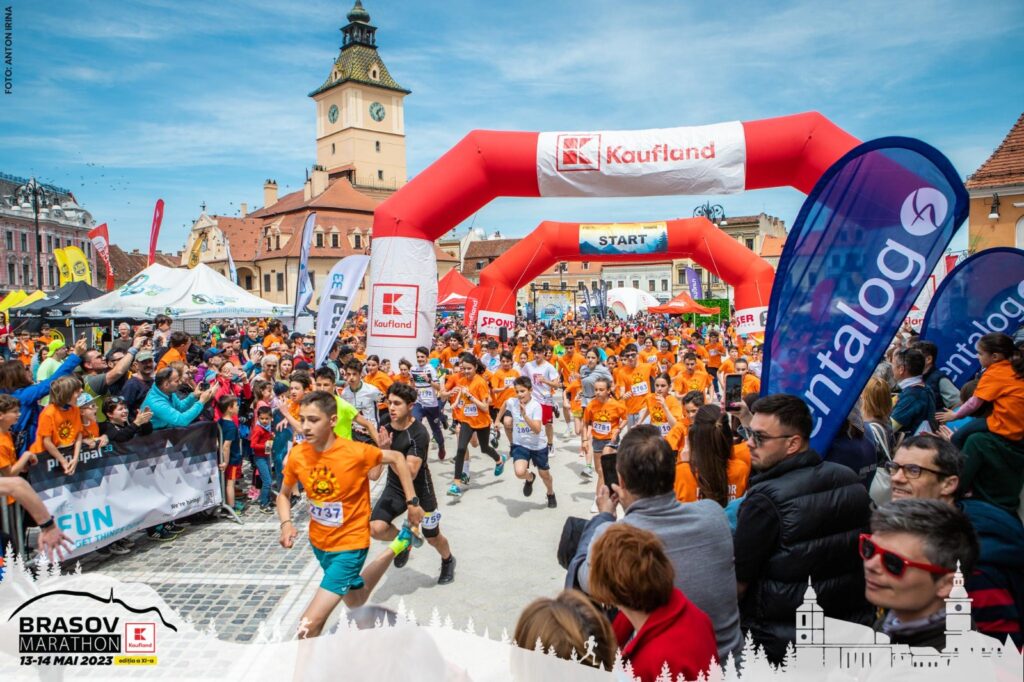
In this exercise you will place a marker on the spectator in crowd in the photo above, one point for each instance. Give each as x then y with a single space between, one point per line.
179 343
124 338
162 333
169 410
60 424
928 467
99 378
910 558
943 390
231 454
117 427
568 625
141 381
800 518
915 410
695 536
853 448
709 466
657 626
56 354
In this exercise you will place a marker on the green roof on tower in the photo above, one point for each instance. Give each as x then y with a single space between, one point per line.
358 60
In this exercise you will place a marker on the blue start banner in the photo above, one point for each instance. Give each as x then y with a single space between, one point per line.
983 294
869 235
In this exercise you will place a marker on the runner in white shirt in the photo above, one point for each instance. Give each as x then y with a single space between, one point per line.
544 378
528 445
363 396
427 384
491 358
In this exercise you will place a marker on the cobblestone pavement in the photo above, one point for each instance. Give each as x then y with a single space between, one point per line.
238 576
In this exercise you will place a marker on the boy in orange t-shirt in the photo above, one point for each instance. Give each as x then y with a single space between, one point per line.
60 423
10 463
334 473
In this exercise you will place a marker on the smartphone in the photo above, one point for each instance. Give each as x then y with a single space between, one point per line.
204 385
503 334
611 475
733 390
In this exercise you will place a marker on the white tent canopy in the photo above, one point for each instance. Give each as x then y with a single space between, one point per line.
184 294
627 301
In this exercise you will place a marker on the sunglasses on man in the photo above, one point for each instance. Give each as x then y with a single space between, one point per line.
894 564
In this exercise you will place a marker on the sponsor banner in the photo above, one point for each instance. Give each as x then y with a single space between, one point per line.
63 267
874 228
553 305
751 320
694 285
490 323
403 297
689 160
336 302
79 264
303 285
100 238
621 238
154 230
127 487
984 294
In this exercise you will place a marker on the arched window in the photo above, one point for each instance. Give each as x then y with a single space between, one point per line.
357 242
320 240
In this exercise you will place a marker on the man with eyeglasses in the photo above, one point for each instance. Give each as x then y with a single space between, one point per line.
928 467
801 517
910 562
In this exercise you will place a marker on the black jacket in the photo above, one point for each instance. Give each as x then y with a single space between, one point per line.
123 434
821 508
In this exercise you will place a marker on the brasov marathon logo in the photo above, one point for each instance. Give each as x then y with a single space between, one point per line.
89 640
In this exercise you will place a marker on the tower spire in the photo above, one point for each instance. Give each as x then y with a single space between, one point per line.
358 31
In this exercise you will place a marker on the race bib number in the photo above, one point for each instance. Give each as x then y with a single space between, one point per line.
431 521
426 394
713 352
470 410
641 388
510 382
664 428
523 430
326 513
602 428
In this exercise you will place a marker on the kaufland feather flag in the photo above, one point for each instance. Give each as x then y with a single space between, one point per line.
336 301
100 238
304 286
154 231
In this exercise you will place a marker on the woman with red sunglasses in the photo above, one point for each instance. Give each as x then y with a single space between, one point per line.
911 559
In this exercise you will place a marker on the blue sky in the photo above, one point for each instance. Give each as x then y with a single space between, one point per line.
125 102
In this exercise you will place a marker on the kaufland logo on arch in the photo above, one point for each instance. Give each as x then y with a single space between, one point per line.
579 152
394 310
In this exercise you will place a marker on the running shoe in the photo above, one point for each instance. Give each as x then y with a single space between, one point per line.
494 438
162 535
552 503
404 538
528 486
454 490
267 508
588 471
441 454
239 507
174 528
499 468
126 542
117 549
447 571
464 478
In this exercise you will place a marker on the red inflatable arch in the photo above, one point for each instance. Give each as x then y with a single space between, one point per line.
713 159
552 242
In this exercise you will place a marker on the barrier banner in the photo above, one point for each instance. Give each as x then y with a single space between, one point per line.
984 294
875 225
126 487
336 302
621 238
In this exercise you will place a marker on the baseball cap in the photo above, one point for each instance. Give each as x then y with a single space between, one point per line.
144 355
55 345
84 399
210 353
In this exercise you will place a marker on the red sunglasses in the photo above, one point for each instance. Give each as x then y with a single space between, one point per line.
893 563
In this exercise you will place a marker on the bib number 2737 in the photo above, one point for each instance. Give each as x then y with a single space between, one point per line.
326 513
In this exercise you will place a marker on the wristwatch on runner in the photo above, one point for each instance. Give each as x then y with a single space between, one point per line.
414 502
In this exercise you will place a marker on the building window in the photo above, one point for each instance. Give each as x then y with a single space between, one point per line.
277 242
358 241
650 285
280 281
268 243
319 240
620 284
266 283
53 279
10 271
248 282
10 241
681 276
88 249
593 284
581 285
380 175
544 286
24 274
479 265
334 240
636 284
749 243
24 243
376 145
332 149
664 285
586 265
49 243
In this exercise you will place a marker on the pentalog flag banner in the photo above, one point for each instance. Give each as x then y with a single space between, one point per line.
304 286
694 285
126 487
336 301
870 232
982 295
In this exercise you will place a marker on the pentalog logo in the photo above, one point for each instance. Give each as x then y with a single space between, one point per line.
86 639
898 267
394 310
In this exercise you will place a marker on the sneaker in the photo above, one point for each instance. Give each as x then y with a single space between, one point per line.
441 454
454 490
494 438
588 471
528 486
464 478
173 528
162 535
405 538
447 571
117 549
499 468
127 542
552 503
267 508
239 506
103 552
182 523
417 539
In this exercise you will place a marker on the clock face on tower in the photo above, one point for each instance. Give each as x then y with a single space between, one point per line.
332 113
377 112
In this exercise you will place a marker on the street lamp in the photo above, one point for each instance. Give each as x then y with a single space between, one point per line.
713 212
36 196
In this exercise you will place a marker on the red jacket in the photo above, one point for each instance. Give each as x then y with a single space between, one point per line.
259 439
678 633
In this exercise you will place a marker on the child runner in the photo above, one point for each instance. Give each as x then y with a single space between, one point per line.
528 445
662 409
603 418
471 409
333 472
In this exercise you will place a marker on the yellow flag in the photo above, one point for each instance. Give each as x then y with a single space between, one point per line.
63 266
80 270
196 253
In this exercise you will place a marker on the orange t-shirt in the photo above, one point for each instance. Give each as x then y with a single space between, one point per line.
90 430
572 392
685 382
8 457
501 386
737 473
270 339
751 384
62 426
635 385
715 353
605 418
570 364
172 355
728 366
381 381
466 411
657 413
26 350
667 358
339 491
701 352
450 358
1001 386
648 357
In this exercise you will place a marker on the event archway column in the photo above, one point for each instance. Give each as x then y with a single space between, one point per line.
791 150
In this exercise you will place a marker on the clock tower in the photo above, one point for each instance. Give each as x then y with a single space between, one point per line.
360 121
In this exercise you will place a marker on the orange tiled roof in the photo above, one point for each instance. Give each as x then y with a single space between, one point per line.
339 195
771 247
1006 165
